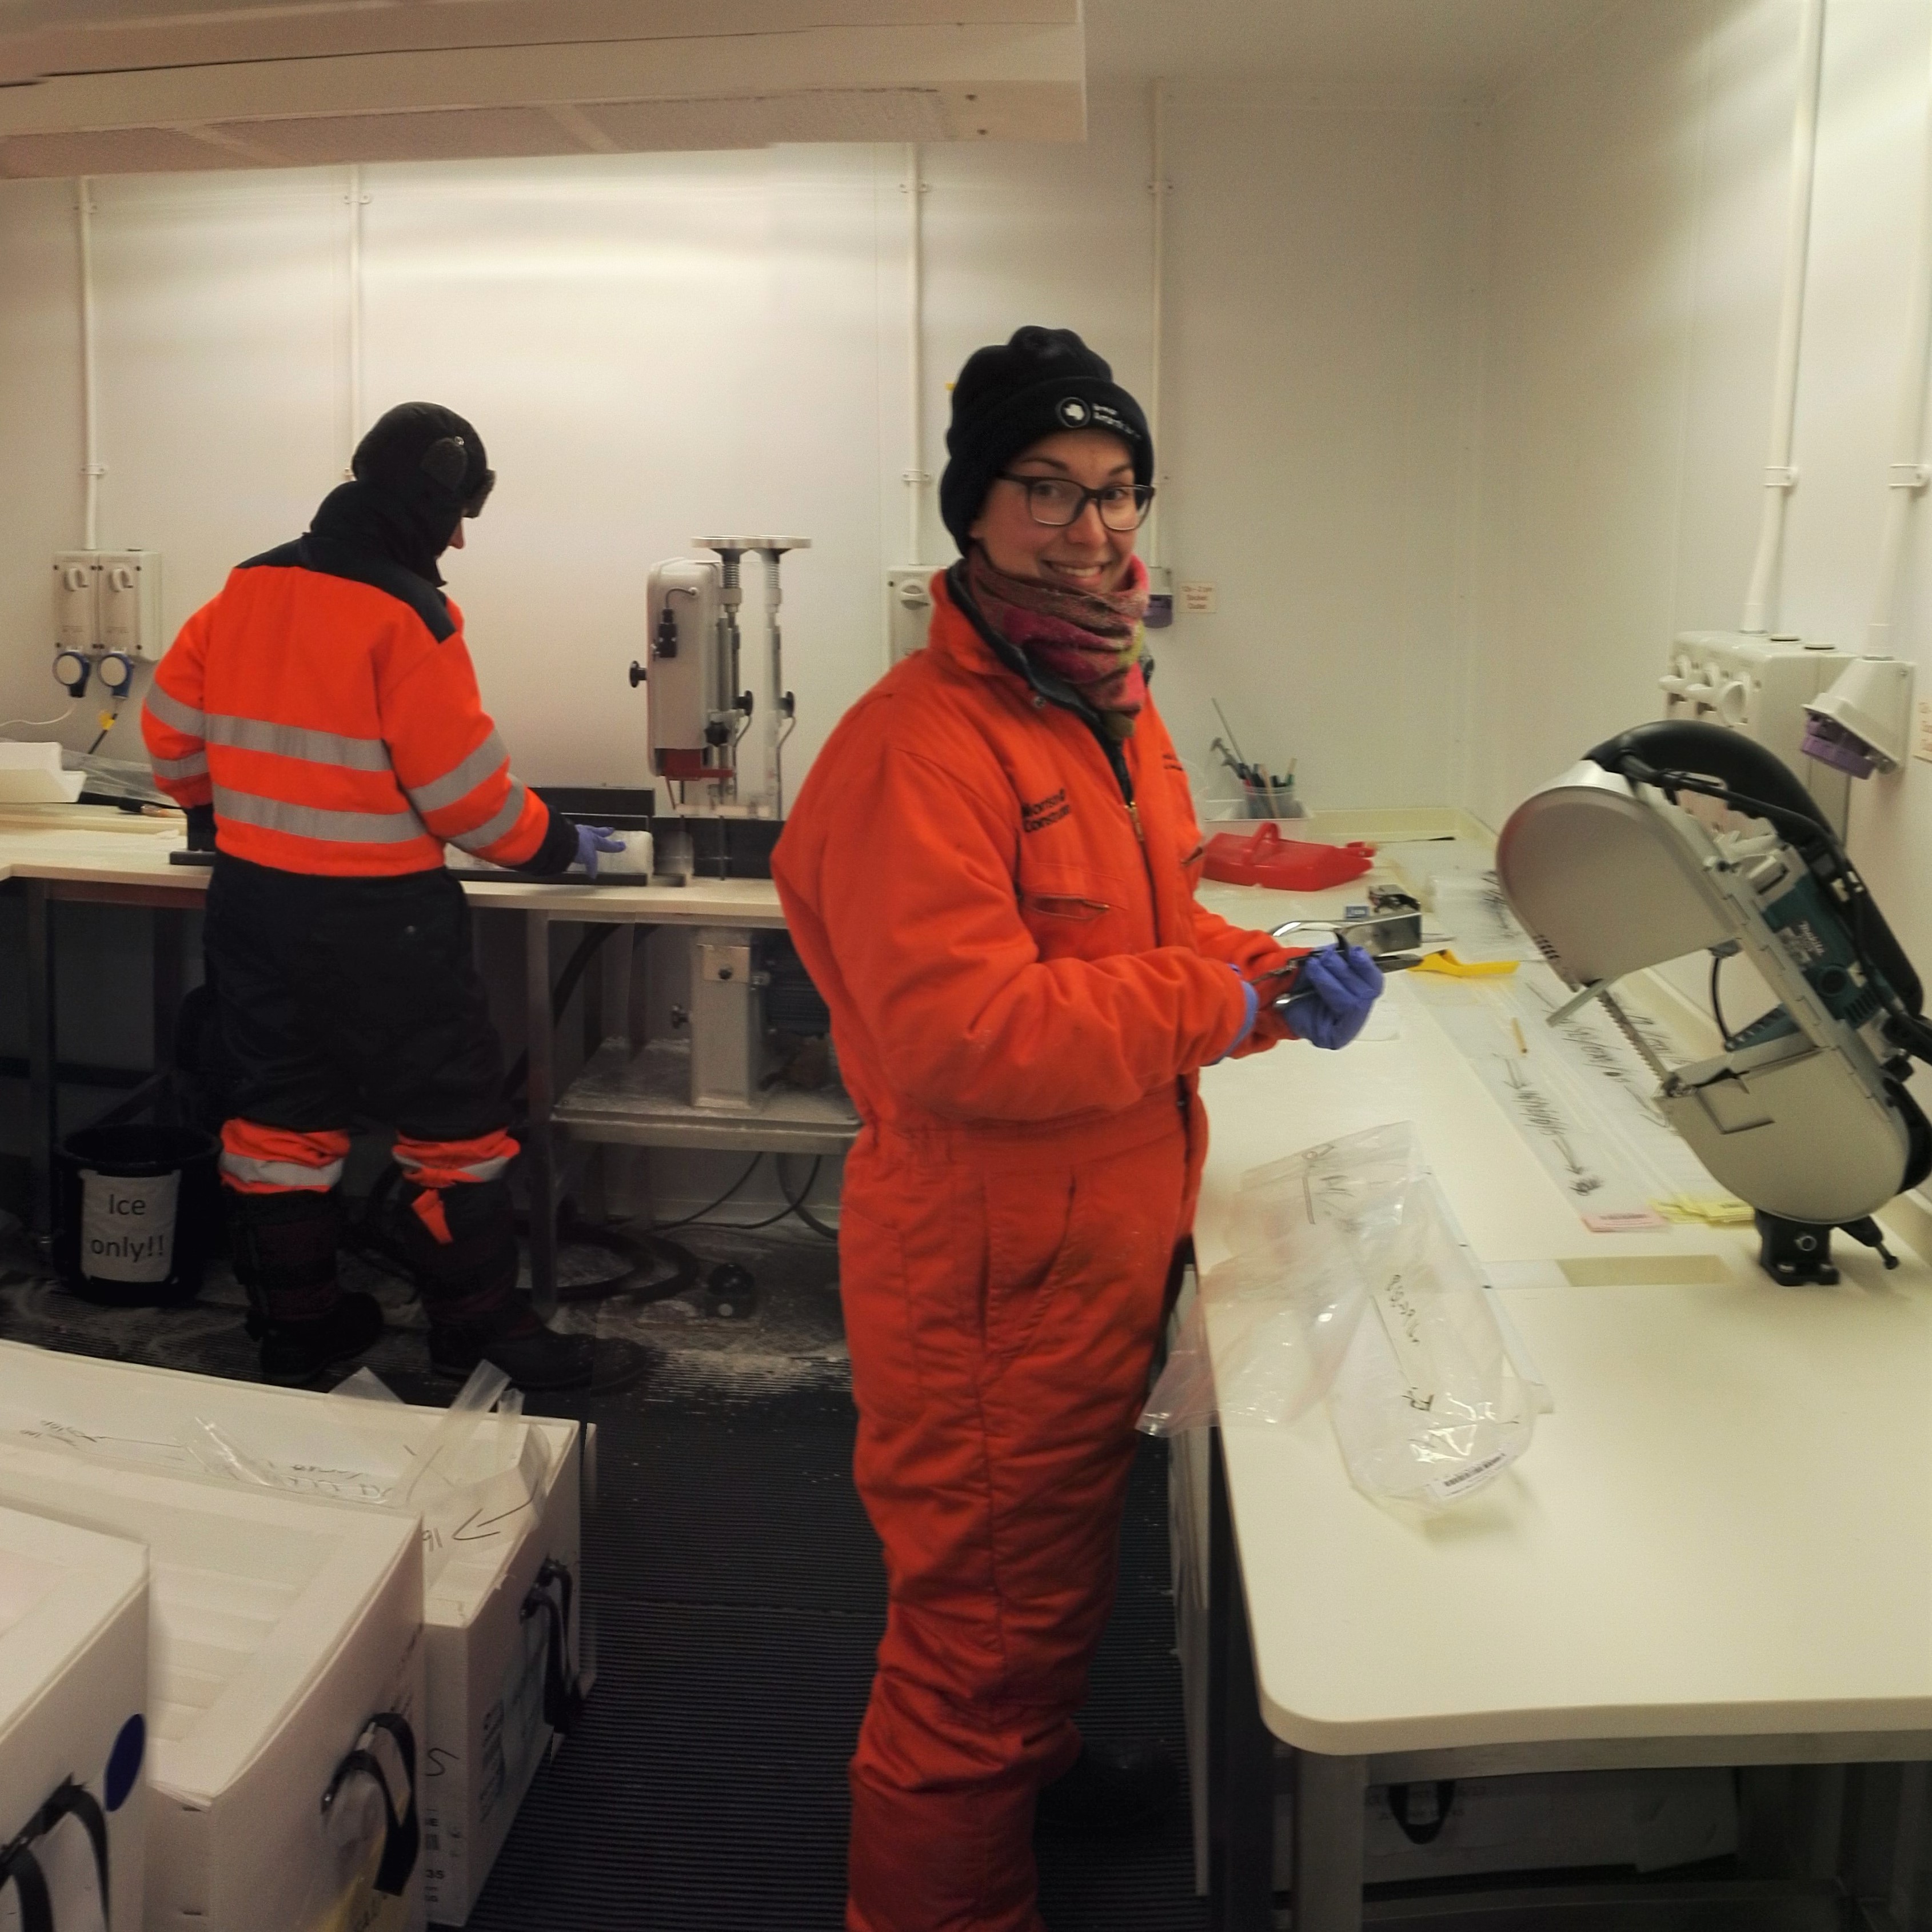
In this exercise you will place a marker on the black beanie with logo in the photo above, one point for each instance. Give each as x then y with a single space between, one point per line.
1013 393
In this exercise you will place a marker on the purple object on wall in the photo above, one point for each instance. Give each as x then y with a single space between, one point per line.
1831 744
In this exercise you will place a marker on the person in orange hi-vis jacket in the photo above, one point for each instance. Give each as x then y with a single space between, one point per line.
990 874
318 720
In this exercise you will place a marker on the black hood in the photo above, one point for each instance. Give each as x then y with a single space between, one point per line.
419 471
364 521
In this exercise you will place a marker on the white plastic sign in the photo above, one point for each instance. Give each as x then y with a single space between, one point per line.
127 1225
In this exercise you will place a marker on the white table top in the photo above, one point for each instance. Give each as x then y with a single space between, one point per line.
1725 1529
97 846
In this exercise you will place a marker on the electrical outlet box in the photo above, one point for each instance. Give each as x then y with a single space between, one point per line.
75 613
129 602
908 609
108 600
1760 685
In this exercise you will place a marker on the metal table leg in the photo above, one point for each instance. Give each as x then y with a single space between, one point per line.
1330 1795
42 1095
539 1154
1240 1752
170 981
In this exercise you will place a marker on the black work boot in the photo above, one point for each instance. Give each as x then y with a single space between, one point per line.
1109 1793
476 1311
297 1311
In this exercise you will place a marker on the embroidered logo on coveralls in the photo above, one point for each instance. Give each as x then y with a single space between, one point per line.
1047 811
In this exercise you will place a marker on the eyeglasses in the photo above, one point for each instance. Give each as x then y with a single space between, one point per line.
1057 501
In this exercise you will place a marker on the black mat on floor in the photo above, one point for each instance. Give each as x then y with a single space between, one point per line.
738 1597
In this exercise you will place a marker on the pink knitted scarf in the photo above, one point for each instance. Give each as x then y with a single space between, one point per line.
1090 639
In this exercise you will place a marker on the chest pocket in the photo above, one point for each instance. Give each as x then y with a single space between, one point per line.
1074 912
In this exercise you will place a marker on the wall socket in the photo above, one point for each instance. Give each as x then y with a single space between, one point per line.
108 600
908 609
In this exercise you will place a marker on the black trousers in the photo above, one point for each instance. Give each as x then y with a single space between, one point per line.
339 997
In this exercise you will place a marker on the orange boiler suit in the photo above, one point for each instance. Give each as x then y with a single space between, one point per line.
1021 988
324 704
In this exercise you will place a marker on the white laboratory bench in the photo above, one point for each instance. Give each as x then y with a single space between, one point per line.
1718 1550
51 854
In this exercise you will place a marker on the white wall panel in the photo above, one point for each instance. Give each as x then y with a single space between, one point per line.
1638 250
655 345
1323 267
40 489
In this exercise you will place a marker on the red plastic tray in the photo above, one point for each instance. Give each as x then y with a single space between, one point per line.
1263 857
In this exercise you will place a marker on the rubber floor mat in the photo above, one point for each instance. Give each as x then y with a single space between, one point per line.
738 1597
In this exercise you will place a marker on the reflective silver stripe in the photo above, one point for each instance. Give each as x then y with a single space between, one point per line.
293 741
281 1173
496 825
474 1170
309 821
172 711
460 780
194 766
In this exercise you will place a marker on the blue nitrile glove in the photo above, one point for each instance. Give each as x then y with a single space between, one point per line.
1333 994
592 839
1247 1026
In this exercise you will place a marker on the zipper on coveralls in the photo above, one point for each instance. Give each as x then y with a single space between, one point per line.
1044 695
1117 758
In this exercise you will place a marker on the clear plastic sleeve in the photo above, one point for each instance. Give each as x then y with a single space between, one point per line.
1349 1279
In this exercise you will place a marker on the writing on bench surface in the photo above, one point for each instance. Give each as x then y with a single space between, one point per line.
127 1225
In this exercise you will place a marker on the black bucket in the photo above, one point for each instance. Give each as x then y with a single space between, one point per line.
135 1212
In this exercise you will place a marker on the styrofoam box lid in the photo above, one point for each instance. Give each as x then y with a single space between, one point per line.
59 1587
314 1444
250 1594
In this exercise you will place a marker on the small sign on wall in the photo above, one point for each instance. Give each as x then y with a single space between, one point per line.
1198 599
1921 742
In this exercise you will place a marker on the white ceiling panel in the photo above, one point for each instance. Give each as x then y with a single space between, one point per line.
1451 47
120 83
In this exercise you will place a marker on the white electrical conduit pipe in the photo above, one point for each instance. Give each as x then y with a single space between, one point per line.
90 411
1157 186
1779 477
356 198
1909 471
917 474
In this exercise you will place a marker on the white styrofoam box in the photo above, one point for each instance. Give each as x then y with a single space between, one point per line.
510 1514
1760 686
30 773
279 1627
74 1697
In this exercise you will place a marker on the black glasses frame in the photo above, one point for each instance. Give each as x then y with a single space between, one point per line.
1143 498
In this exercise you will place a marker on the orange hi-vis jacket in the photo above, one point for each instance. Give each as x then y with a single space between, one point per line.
1001 937
334 725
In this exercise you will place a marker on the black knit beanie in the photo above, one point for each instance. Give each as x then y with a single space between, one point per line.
1012 394
429 458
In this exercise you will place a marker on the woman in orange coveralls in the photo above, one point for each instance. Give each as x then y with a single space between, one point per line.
990 874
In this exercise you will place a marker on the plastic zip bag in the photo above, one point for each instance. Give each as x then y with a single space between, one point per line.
1429 1406
1293 1290
1350 1279
1290 1309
